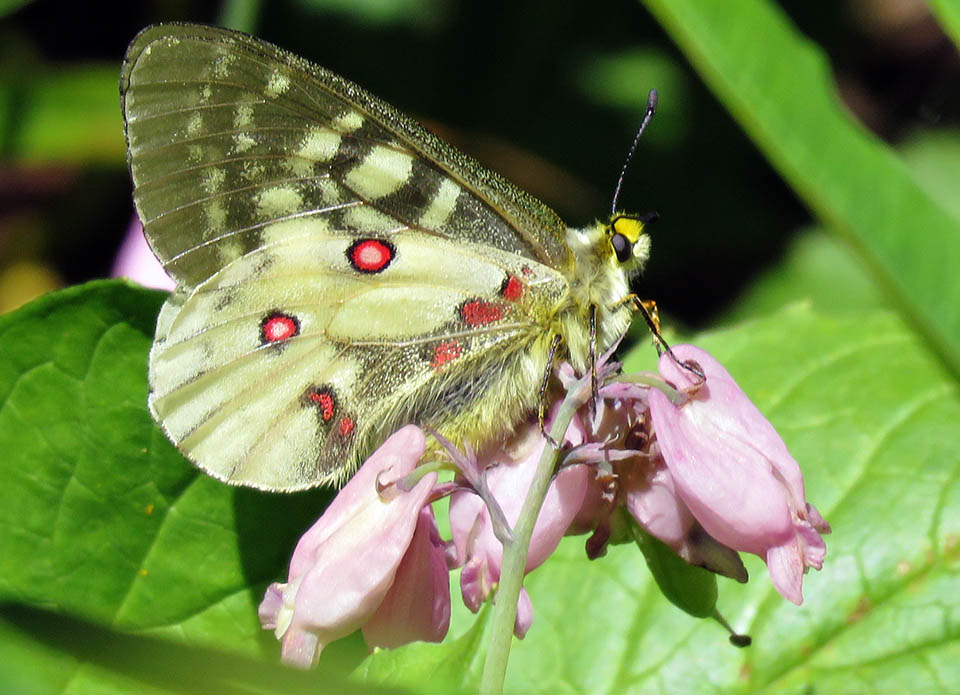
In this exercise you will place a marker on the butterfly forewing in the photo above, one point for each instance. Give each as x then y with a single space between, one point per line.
228 134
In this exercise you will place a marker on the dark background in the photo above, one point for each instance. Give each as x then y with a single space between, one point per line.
547 93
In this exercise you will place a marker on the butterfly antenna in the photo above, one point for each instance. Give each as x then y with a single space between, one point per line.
647 117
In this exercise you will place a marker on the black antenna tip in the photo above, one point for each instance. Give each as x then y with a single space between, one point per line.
652 99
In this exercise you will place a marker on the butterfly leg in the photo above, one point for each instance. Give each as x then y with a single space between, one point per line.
542 407
648 309
594 391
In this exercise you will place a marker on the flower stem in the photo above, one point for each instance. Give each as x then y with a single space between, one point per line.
515 551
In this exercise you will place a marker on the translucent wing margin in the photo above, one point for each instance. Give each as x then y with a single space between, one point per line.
228 135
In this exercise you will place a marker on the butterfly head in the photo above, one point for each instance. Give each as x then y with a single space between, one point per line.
627 238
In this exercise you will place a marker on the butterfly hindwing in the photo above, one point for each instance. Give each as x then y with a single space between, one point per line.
292 361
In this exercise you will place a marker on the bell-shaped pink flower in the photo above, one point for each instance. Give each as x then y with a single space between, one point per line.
508 477
733 471
351 569
417 607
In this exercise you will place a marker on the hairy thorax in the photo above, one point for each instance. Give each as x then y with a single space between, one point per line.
597 279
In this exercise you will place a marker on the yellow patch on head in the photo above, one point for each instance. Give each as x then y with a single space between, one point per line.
627 226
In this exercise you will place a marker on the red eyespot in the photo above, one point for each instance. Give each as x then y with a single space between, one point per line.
479 312
346 427
277 326
371 255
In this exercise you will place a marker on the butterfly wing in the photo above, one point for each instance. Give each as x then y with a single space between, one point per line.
341 271
228 134
288 365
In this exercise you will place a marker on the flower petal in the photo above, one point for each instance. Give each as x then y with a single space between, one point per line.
417 606
344 565
734 472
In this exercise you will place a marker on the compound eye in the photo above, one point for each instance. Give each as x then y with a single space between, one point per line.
622 247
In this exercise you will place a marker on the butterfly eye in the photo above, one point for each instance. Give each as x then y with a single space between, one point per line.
622 247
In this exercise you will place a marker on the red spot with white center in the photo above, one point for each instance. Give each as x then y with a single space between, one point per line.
512 288
480 312
371 255
346 427
527 271
277 326
445 352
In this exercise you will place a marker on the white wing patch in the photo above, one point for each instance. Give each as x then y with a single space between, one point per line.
383 171
441 206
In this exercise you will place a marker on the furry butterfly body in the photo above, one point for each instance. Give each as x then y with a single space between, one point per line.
341 271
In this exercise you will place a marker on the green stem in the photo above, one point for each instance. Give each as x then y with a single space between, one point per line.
515 552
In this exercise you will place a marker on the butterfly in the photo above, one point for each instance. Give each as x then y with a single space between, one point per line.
340 270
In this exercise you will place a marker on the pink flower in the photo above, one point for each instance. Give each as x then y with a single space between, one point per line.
733 472
508 475
373 560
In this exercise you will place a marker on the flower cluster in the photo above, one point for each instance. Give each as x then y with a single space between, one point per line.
684 453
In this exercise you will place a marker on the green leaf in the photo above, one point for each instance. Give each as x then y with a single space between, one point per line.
948 12
414 14
934 159
101 519
777 84
454 667
128 663
691 589
872 421
819 269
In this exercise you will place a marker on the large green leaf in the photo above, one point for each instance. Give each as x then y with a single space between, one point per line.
778 85
100 518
